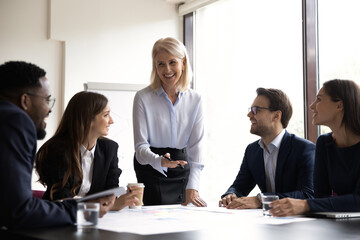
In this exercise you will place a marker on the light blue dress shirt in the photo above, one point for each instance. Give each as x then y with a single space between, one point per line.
158 123
270 160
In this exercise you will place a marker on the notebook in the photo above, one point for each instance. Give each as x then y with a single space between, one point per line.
336 214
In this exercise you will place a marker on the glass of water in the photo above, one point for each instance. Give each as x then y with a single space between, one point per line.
266 200
87 214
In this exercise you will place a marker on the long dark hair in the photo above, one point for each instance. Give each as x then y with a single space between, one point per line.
348 92
71 134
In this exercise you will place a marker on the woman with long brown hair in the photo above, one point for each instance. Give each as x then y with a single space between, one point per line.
337 156
78 160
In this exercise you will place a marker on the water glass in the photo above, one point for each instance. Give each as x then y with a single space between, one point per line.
87 214
266 200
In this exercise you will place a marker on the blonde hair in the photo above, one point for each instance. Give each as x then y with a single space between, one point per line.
178 50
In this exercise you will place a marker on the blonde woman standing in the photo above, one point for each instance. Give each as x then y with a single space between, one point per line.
168 129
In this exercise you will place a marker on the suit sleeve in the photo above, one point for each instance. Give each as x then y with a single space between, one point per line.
19 209
244 181
112 179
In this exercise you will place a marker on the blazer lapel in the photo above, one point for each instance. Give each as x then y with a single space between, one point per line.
260 169
285 148
98 165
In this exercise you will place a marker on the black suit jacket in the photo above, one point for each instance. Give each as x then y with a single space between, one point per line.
18 207
294 169
106 172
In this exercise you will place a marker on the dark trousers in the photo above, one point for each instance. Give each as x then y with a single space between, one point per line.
160 190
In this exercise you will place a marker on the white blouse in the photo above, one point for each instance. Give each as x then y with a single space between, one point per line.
159 123
87 164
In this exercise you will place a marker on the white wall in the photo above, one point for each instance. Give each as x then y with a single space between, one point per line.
78 41
110 40
23 36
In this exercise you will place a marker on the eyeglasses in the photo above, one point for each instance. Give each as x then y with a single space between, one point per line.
255 109
50 101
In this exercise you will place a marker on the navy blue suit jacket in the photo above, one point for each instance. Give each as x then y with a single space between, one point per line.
106 171
294 169
18 207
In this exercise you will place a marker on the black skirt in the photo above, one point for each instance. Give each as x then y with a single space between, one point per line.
160 190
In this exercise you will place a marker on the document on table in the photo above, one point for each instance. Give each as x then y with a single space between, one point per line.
177 218
118 191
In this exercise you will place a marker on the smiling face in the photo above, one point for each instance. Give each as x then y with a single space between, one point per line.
101 123
39 108
325 111
169 69
262 123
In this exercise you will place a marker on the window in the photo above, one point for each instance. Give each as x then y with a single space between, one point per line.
339 41
240 46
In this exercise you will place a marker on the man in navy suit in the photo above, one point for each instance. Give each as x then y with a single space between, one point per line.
279 163
25 102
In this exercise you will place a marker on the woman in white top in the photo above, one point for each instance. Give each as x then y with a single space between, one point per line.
78 160
168 129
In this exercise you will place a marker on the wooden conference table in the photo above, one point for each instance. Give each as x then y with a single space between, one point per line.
215 225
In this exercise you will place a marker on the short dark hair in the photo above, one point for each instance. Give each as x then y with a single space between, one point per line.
348 92
17 76
278 101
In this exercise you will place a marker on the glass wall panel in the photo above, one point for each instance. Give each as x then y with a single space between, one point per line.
339 41
240 46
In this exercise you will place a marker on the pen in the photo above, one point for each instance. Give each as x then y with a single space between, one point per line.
171 160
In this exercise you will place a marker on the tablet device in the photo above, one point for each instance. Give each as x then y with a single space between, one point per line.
116 191
336 214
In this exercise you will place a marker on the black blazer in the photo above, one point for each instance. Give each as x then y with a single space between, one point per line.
18 207
294 169
106 172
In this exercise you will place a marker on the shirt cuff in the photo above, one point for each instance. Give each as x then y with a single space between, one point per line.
157 166
194 178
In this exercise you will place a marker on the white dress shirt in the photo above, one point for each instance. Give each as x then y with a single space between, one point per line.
270 160
158 123
87 164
